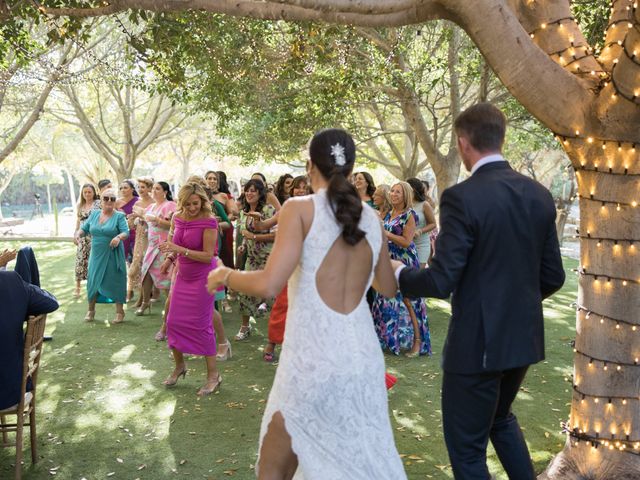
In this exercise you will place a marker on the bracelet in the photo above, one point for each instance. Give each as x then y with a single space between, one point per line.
186 252
225 280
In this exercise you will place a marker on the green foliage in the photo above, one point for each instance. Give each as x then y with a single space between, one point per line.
269 84
28 33
593 18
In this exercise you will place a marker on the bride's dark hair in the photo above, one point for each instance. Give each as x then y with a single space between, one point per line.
333 152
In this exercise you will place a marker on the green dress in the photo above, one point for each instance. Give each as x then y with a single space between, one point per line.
107 276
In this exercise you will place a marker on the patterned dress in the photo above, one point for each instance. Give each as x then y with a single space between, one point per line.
390 315
130 242
257 255
154 258
84 244
139 250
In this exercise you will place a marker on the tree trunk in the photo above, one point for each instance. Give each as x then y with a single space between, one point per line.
446 172
72 189
605 419
561 221
49 198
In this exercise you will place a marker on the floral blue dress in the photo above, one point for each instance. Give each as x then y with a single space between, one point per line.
390 315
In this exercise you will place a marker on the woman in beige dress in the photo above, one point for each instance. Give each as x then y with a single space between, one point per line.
145 184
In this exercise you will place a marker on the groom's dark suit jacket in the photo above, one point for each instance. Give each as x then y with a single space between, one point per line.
498 253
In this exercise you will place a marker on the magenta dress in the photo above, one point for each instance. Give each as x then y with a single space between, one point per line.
189 327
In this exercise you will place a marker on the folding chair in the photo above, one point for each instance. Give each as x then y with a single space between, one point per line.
26 407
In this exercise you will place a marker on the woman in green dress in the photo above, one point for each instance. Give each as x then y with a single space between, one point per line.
107 275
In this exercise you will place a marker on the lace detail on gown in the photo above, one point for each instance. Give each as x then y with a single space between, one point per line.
329 386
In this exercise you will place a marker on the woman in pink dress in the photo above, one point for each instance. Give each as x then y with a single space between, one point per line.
158 217
192 241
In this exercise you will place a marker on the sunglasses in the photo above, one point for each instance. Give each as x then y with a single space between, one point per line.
108 199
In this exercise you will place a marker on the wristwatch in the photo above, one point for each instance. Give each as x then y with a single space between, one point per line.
186 252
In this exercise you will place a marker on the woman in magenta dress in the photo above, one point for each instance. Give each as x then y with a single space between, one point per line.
192 241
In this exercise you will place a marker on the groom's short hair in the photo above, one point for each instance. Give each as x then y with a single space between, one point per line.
483 125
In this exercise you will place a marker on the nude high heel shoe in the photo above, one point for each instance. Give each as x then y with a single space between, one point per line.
221 357
244 333
170 381
208 391
143 307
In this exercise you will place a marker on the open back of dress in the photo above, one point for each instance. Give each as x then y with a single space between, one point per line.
330 386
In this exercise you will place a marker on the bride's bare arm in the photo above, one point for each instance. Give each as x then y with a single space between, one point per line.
384 280
282 261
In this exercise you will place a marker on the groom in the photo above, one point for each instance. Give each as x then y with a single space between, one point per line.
498 254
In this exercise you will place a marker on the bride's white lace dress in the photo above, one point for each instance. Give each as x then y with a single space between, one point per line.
329 386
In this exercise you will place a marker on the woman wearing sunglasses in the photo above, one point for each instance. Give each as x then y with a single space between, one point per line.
107 275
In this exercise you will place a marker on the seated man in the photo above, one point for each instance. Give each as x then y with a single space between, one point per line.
18 299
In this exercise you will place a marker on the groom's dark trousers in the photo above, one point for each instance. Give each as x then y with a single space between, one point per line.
497 254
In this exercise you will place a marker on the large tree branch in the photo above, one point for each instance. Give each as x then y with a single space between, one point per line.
454 79
625 38
39 105
556 32
156 131
382 121
380 13
564 109
96 142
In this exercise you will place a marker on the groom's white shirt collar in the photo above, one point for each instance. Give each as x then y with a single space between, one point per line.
488 159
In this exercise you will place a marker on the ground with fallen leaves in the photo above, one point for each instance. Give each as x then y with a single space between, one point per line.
104 413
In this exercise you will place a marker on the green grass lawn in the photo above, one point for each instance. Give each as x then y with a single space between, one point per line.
104 413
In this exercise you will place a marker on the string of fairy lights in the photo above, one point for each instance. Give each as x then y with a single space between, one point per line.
571 57
623 445
617 438
621 160
51 74
107 69
614 440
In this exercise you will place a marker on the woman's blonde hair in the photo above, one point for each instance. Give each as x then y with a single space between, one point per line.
193 188
148 181
385 195
197 179
408 193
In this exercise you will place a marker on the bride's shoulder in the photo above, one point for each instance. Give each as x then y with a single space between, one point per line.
298 204
301 207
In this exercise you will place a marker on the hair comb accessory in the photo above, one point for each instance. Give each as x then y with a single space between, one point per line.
337 152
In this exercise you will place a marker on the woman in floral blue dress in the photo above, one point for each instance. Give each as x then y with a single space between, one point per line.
402 323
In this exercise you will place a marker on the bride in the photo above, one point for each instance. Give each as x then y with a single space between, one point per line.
327 414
